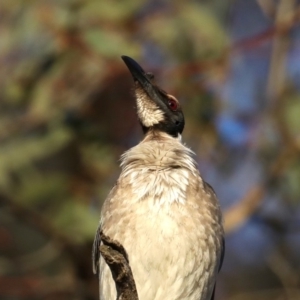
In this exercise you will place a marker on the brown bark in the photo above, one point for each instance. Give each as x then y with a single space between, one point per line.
116 258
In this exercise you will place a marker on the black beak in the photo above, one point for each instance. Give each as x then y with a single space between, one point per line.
140 76
168 120
135 69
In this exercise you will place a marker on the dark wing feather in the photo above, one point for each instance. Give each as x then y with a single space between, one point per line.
96 252
213 294
211 191
97 239
220 266
222 254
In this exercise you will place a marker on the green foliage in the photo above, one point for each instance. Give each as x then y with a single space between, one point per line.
108 43
188 31
22 152
74 219
67 113
292 113
58 90
114 12
47 191
291 183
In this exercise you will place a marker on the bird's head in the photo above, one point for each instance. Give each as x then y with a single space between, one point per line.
156 109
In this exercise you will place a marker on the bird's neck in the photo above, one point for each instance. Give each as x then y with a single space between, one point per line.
158 150
158 170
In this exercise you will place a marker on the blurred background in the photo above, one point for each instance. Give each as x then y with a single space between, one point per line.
67 114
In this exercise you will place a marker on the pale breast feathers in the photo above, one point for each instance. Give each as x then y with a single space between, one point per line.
169 221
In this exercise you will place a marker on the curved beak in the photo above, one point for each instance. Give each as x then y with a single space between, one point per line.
153 104
140 76
135 69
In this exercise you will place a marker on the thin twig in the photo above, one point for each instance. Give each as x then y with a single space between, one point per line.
277 77
268 7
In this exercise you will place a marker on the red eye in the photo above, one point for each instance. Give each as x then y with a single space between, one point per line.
173 104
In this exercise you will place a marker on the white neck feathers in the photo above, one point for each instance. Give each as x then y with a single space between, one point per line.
158 169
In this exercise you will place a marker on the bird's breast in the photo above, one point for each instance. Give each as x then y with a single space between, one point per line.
164 221
158 186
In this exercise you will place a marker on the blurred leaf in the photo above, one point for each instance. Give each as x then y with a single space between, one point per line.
76 220
101 157
22 152
189 31
47 190
291 182
109 43
109 11
292 113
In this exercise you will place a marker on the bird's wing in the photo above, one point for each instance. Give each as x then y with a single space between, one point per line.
222 254
95 251
220 266
212 193
97 239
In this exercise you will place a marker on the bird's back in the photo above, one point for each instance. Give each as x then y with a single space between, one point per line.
167 219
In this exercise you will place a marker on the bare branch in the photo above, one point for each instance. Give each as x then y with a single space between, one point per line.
237 215
116 258
277 77
285 272
268 7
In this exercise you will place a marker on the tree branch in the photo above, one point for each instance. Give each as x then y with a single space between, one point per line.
117 259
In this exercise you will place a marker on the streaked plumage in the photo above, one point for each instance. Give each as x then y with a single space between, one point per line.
162 212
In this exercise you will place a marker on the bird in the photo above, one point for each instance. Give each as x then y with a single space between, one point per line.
164 214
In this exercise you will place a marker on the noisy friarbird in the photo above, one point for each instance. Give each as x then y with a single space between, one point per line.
161 210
